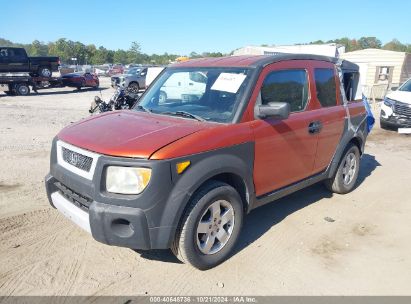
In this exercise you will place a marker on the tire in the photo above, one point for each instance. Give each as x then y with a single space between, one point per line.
22 89
162 97
82 85
205 250
44 71
133 87
342 182
97 85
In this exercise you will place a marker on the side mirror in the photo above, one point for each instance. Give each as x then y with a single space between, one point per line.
394 88
280 110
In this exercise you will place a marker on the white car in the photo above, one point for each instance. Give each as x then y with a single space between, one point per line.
182 86
396 108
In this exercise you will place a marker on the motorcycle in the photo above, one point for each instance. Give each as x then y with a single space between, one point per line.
122 99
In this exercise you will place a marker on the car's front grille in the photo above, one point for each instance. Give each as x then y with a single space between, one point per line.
402 109
75 198
77 160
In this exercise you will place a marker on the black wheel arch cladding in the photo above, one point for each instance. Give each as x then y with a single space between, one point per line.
236 161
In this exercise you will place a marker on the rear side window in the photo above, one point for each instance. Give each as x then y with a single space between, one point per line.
289 86
19 53
325 84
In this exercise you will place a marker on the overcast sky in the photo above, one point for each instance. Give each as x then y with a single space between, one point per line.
180 27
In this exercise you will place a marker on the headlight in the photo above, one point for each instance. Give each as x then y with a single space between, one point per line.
389 102
127 180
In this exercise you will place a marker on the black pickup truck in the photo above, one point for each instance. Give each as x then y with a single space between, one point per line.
15 60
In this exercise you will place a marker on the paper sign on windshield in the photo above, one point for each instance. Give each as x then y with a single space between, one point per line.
228 82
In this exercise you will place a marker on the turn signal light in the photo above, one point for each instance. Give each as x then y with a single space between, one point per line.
181 167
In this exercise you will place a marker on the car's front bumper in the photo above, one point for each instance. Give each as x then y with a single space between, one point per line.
109 224
143 221
393 117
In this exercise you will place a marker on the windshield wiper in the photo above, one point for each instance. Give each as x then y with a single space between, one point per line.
184 114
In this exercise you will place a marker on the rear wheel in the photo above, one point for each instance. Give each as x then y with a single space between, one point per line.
347 173
22 89
210 226
82 85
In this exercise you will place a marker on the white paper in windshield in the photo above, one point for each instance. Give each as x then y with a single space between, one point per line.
228 82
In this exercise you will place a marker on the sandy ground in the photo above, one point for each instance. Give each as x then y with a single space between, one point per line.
286 248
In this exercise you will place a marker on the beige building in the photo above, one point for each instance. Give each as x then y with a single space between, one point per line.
330 49
381 67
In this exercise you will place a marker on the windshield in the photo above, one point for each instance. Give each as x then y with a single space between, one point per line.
406 86
210 94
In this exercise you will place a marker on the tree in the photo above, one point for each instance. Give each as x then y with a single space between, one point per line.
121 56
369 43
395 45
134 53
101 56
37 48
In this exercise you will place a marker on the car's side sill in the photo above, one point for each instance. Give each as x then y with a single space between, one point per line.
277 194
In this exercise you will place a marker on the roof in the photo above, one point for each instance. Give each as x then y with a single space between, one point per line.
257 60
367 52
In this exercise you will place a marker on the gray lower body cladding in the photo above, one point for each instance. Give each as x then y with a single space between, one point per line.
148 220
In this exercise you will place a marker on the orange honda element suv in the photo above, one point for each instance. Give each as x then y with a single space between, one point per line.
182 171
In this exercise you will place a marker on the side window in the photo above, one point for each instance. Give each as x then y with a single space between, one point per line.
18 53
286 86
325 84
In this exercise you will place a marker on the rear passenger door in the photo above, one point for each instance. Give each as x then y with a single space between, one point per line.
331 112
284 149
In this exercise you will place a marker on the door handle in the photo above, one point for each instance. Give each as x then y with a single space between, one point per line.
315 127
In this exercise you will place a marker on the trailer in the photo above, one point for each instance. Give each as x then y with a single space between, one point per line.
21 84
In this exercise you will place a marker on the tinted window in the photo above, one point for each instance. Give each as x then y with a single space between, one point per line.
406 87
286 86
325 83
19 53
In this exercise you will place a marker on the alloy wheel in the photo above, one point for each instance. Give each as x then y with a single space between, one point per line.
215 227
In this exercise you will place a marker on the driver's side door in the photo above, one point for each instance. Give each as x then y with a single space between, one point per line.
285 149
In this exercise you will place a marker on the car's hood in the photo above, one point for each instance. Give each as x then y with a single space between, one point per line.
128 133
401 96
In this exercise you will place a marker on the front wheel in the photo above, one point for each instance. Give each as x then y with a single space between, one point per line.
81 85
210 227
347 173
134 87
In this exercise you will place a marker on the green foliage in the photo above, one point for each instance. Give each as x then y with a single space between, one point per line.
90 54
395 45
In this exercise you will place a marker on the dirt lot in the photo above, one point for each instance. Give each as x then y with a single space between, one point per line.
287 247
